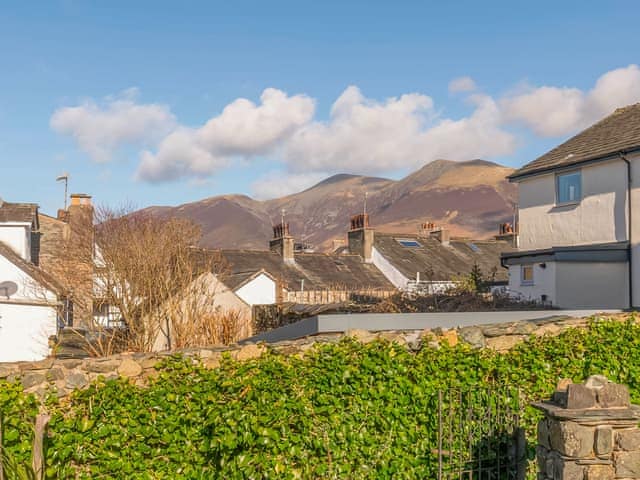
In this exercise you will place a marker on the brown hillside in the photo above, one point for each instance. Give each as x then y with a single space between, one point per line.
472 198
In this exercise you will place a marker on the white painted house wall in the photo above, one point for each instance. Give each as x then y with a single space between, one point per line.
388 270
544 283
599 218
18 237
259 291
27 318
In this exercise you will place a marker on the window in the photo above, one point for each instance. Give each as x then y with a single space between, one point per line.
568 188
526 275
409 243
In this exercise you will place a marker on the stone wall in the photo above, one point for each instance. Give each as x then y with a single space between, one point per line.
65 375
590 431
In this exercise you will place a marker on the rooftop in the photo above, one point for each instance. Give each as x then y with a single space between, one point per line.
619 132
436 261
318 270
18 212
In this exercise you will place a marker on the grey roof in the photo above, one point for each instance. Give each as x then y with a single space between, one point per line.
439 262
18 212
619 132
318 270
30 269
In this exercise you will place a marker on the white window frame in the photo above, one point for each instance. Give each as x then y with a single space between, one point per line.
557 187
523 281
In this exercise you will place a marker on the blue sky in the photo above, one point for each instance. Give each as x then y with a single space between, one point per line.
139 101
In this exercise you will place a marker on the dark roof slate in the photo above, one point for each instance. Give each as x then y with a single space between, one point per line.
318 270
18 212
30 269
618 132
439 262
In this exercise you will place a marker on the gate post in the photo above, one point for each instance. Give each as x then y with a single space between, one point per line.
589 431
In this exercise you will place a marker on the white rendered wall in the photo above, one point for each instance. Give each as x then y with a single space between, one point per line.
388 270
27 318
18 237
599 218
544 283
259 291
25 331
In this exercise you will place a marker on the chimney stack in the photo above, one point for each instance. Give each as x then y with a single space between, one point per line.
361 237
430 229
508 233
282 242
79 217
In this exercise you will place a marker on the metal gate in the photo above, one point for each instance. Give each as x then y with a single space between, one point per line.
479 434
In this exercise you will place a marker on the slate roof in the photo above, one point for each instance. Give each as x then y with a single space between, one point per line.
318 270
18 212
445 261
30 269
618 132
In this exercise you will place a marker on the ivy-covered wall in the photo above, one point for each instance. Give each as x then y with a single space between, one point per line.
359 407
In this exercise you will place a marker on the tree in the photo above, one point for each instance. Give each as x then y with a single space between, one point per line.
148 270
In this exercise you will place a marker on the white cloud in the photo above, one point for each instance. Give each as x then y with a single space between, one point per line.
243 129
366 136
462 84
280 184
557 111
100 129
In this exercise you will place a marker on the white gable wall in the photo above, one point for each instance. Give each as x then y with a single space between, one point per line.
27 319
18 237
259 291
388 270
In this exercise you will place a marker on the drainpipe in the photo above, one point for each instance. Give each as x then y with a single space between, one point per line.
629 210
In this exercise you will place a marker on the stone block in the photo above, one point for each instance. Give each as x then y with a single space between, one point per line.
613 395
129 368
596 382
55 373
102 366
599 472
363 336
543 434
450 337
505 343
76 380
541 458
473 336
251 351
31 379
627 464
604 440
628 439
570 439
567 469
580 397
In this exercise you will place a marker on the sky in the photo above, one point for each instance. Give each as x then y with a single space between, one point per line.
163 103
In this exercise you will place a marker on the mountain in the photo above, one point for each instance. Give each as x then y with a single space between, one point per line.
471 198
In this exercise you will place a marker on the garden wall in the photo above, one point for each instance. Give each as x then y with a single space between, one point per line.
64 375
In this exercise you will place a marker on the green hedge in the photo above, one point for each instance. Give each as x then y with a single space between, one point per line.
346 410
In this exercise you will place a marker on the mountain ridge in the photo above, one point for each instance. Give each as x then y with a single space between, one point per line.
469 197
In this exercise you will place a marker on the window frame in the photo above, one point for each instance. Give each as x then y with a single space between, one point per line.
557 187
523 281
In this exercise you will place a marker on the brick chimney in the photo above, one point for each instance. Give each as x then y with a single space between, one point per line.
282 242
430 229
361 237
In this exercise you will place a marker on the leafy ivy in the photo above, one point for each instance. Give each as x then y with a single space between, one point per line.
345 410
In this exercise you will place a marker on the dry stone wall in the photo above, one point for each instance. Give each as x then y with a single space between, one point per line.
64 375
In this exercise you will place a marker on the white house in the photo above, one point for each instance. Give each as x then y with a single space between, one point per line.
579 228
29 305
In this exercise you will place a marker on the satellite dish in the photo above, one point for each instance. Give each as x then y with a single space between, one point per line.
8 288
